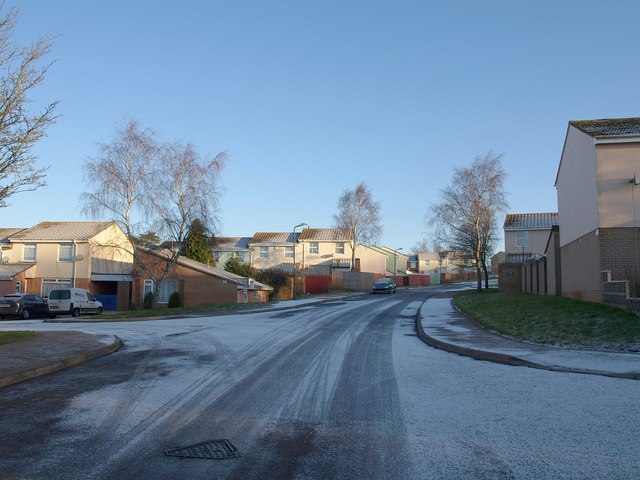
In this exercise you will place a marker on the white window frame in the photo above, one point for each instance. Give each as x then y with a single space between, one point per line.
241 256
30 246
288 252
147 287
65 247
340 248
314 247
264 252
522 238
18 285
216 256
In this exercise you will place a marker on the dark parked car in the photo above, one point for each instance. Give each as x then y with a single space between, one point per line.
384 285
23 305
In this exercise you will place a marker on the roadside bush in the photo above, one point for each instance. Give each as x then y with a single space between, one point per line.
148 301
174 300
275 278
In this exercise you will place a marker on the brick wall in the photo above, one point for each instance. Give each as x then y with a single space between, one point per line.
619 254
509 278
580 268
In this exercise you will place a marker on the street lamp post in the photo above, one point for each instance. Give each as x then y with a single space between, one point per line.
395 260
303 224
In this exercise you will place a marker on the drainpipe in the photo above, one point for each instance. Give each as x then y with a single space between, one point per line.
75 254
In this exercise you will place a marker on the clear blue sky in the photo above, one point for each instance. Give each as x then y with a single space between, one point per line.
311 97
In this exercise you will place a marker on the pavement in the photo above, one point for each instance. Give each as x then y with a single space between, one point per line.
438 324
441 326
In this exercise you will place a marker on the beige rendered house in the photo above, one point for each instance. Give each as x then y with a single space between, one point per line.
529 263
598 205
274 250
397 262
319 250
96 256
328 249
225 248
527 234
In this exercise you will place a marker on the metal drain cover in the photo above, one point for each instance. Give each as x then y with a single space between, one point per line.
213 449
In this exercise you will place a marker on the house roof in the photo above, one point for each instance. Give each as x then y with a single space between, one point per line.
230 243
609 127
220 273
530 221
519 258
6 233
272 238
325 235
213 271
10 270
61 231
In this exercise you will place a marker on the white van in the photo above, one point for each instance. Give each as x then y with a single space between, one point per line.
72 301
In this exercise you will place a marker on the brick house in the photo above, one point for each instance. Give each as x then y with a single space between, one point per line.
197 283
597 186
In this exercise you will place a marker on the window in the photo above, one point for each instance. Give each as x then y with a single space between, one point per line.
522 239
340 248
288 252
65 254
30 252
148 288
17 287
167 287
264 252
313 247
240 256
216 256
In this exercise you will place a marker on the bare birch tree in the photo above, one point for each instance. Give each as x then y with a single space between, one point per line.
466 216
148 187
21 71
118 176
185 188
359 215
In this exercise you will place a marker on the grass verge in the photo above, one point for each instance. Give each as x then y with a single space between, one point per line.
16 336
155 312
552 320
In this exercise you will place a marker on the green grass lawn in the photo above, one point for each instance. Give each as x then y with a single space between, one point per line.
552 320
8 337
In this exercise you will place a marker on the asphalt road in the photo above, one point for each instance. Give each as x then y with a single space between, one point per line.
341 390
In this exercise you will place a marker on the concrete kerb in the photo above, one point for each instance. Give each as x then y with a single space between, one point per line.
60 365
506 359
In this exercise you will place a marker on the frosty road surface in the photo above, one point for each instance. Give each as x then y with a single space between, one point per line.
340 390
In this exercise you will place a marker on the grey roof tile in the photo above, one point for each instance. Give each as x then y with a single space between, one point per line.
272 238
61 231
230 243
325 235
609 127
530 221
6 233
9 270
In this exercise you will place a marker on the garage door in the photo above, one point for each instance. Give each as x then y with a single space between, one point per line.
49 284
